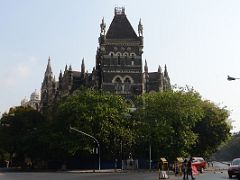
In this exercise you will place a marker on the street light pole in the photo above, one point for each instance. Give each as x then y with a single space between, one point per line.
98 144
150 156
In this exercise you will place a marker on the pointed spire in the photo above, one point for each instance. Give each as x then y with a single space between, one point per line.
60 75
103 27
167 83
49 68
140 28
66 68
70 68
120 27
161 79
159 69
165 71
83 67
146 67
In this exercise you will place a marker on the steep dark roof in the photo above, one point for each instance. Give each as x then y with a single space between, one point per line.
153 76
121 28
76 73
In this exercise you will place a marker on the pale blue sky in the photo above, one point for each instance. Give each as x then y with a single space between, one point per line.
198 40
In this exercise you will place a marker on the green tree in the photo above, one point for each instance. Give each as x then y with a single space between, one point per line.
99 114
19 133
212 130
166 122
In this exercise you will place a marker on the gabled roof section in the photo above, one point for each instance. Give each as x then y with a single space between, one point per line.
121 28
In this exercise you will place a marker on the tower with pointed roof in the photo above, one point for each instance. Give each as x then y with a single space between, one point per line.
48 88
119 57
119 66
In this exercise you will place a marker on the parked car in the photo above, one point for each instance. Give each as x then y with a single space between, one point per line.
199 163
234 168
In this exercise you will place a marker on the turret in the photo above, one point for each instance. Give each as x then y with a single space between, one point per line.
140 28
102 32
167 84
48 72
83 67
159 69
146 67
66 67
60 76
166 73
48 88
140 33
161 79
145 77
103 27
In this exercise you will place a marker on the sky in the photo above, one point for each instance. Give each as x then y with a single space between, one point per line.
199 41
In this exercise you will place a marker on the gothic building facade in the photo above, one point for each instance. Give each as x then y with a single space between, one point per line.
119 67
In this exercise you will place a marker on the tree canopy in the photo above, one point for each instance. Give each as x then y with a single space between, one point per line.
174 123
99 114
19 133
167 121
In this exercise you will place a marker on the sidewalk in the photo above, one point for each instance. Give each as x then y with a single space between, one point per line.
98 171
171 175
156 172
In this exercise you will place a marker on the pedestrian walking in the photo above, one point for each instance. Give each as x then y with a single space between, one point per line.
184 169
189 168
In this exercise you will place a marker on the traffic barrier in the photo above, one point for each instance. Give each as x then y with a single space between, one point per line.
194 170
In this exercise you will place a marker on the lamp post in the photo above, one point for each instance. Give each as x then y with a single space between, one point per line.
230 78
150 135
86 134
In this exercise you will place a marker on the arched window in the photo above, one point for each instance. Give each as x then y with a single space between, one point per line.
118 84
118 59
133 55
125 54
118 80
127 80
127 84
111 54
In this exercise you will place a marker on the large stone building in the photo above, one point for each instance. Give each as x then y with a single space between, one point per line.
119 66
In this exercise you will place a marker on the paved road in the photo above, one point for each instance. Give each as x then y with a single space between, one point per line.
219 175
142 175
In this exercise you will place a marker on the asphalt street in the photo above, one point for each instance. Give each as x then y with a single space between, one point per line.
135 175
